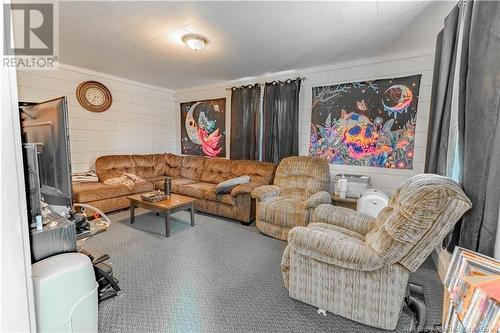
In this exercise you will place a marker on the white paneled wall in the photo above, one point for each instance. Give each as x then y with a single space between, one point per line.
142 118
417 62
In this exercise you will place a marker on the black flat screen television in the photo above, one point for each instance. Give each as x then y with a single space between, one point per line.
46 125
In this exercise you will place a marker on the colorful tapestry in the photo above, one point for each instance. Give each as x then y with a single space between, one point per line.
203 129
369 123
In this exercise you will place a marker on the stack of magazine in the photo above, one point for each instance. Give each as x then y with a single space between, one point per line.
473 285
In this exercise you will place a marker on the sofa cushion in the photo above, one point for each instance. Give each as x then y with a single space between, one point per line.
228 199
147 166
196 190
296 192
156 179
159 185
173 164
329 228
178 183
216 170
259 172
283 211
108 205
113 166
87 192
192 167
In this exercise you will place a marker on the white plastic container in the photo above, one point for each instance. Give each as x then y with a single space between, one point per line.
372 202
342 186
65 294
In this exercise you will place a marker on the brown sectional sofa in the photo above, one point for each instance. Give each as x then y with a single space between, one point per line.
194 176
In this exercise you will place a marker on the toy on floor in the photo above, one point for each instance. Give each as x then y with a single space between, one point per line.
323 312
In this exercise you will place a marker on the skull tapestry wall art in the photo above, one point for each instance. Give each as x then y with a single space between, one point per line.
370 123
203 128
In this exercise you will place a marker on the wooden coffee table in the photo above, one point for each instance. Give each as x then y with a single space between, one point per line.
175 204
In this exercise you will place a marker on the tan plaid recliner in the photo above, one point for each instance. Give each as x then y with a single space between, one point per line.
357 266
299 186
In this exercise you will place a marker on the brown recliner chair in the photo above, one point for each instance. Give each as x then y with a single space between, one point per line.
357 266
299 186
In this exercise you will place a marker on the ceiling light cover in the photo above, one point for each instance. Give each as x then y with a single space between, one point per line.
195 42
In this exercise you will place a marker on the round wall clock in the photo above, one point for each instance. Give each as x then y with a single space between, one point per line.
94 96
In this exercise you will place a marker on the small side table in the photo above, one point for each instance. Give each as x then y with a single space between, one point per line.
351 203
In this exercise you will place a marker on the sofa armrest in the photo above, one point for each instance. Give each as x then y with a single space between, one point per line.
344 217
344 252
318 198
245 188
262 193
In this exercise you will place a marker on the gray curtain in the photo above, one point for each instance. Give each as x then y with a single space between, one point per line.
245 104
473 99
479 122
281 120
437 157
442 86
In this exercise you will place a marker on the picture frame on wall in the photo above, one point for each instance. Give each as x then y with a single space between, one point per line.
203 127
366 123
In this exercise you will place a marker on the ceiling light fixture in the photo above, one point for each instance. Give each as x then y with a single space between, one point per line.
195 42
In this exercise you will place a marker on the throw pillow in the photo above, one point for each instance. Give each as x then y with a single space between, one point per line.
227 185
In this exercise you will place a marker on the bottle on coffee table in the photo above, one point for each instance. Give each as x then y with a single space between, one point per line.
167 187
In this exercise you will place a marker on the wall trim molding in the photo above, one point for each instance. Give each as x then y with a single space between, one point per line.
268 76
113 77
315 69
216 96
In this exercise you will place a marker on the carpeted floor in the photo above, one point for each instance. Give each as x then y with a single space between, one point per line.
218 276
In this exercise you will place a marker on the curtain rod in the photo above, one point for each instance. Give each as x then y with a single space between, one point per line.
264 83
